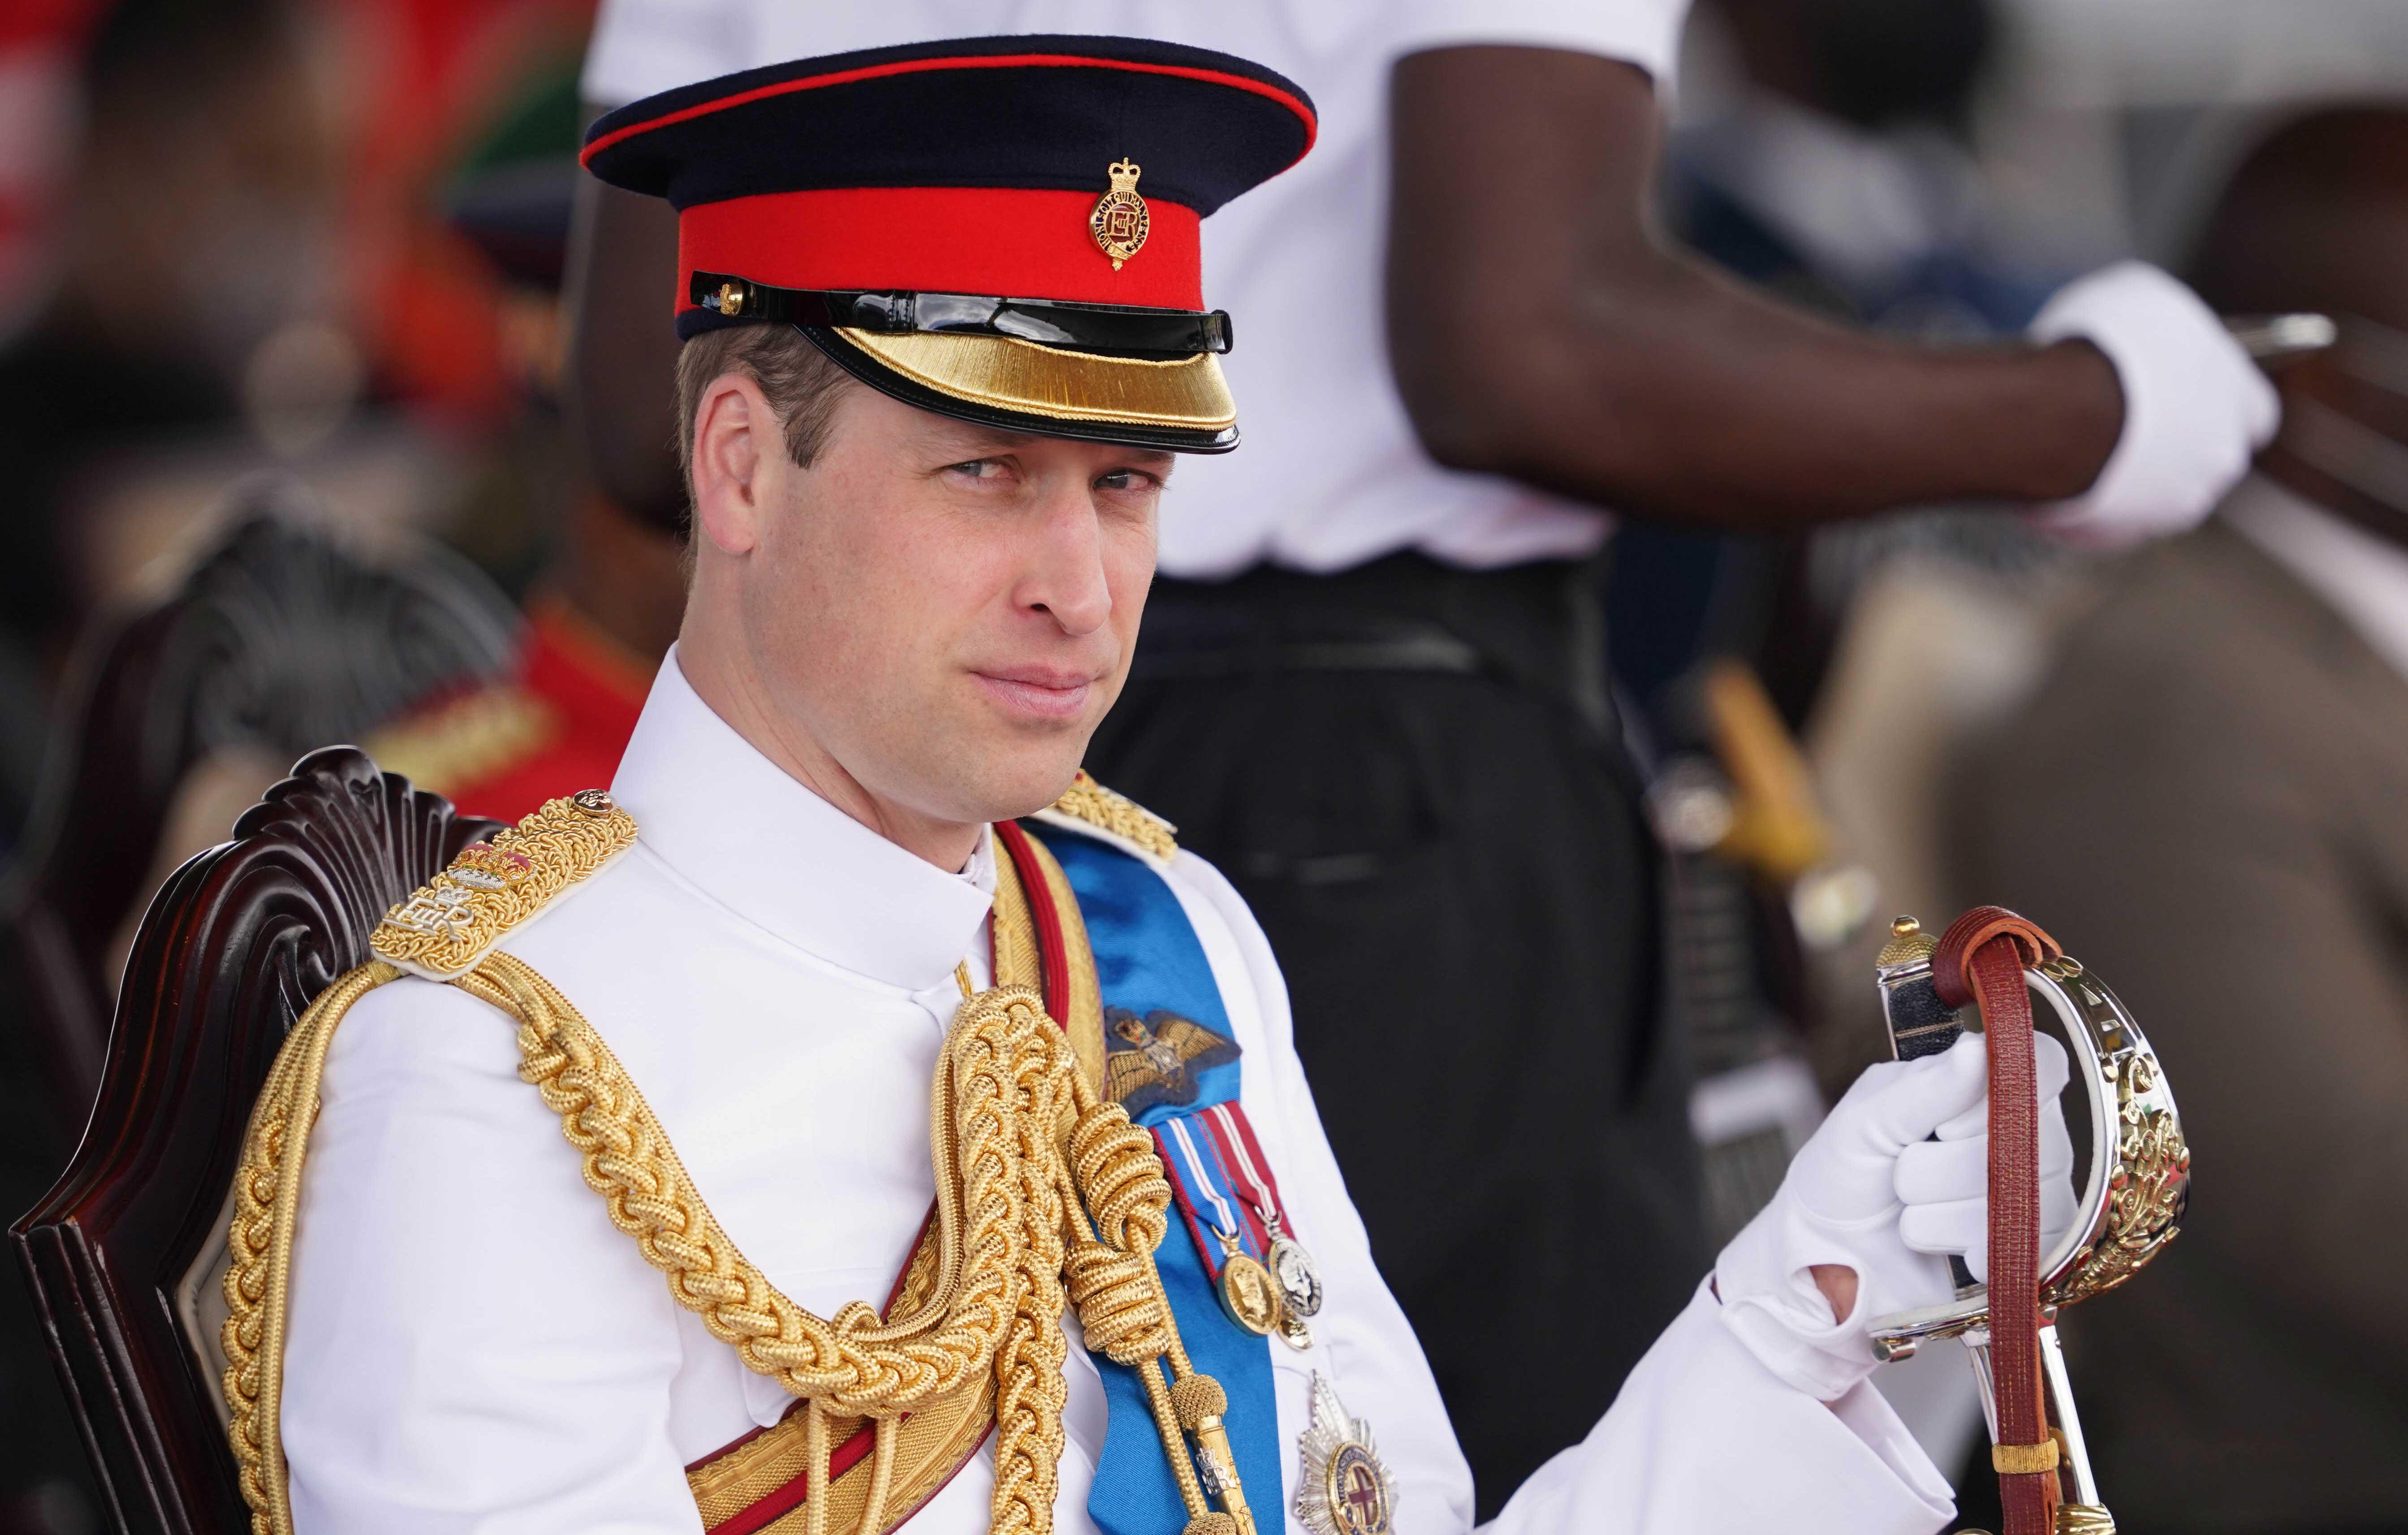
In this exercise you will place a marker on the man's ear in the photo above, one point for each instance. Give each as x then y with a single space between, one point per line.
733 424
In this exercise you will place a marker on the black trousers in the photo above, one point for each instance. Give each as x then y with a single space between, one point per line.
1396 766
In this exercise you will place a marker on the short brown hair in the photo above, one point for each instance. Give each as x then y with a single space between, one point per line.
796 378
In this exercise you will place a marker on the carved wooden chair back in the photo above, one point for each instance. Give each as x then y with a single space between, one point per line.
281 639
124 1252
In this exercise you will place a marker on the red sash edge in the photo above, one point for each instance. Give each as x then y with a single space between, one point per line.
1053 948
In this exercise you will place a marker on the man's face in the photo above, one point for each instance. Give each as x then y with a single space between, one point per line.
949 610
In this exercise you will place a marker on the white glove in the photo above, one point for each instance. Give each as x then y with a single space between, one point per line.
2196 408
1870 1192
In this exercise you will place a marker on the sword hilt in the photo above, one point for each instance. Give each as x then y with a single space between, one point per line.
2135 1192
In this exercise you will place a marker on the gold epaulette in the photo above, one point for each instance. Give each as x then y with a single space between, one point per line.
1090 801
454 920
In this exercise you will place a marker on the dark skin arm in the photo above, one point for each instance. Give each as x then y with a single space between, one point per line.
1539 329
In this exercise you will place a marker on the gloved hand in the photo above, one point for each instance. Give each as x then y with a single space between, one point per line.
2196 408
1870 1192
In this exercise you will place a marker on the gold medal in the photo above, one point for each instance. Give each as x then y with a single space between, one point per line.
1248 1292
1120 219
1294 1333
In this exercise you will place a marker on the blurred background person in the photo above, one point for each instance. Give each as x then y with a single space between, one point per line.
192 209
224 250
606 603
2208 799
198 216
1372 686
1823 154
1831 165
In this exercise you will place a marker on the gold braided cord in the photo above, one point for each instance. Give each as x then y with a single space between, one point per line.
259 1239
854 1364
1026 1217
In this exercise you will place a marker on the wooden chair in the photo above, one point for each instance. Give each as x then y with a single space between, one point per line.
124 1252
281 639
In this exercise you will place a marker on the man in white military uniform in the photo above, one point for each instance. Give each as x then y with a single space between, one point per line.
925 527
1370 684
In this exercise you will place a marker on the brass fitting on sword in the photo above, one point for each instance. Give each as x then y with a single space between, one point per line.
2137 1187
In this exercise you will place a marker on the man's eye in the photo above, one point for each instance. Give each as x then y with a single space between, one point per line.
977 468
1125 479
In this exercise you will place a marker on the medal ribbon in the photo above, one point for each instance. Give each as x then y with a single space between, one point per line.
1243 1155
1206 1192
1148 957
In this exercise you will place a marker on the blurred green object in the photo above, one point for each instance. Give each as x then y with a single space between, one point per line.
512 193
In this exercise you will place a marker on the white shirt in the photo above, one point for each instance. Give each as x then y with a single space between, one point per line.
1329 474
2364 576
474 1347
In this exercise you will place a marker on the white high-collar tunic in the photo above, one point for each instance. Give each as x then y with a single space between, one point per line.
474 1347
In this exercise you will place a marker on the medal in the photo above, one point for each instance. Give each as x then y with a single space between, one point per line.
1248 1292
1293 1332
1291 1266
1343 1489
1300 1282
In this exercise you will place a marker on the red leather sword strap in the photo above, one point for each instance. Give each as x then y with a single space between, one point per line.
1981 958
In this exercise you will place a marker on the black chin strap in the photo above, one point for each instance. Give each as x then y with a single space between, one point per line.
1117 329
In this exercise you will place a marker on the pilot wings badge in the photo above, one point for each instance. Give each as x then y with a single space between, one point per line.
1343 1487
1152 1062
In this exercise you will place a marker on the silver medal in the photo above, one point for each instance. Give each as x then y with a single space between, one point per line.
1300 1282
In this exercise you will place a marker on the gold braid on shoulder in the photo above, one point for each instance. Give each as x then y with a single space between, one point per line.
1043 1189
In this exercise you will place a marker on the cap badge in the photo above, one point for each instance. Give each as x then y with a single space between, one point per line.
1120 219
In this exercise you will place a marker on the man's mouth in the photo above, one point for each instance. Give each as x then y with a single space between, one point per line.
1038 693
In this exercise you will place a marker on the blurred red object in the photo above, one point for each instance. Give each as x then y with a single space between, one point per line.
39 42
427 75
557 725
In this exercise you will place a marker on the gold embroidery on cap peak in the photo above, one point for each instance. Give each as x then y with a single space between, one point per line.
1120 221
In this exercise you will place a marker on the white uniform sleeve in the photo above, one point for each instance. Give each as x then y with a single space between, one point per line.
641 47
453 1281
1646 33
1701 1440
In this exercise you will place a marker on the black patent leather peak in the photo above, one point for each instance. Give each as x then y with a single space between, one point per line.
1114 329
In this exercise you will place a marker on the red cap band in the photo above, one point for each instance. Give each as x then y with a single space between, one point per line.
1007 242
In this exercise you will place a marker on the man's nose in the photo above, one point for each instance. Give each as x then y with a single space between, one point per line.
1065 577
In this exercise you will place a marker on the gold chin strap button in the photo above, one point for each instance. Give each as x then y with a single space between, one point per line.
731 299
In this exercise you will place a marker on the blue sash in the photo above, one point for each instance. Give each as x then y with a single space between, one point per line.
1154 978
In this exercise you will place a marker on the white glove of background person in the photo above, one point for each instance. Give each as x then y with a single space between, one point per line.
1871 1193
2196 408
